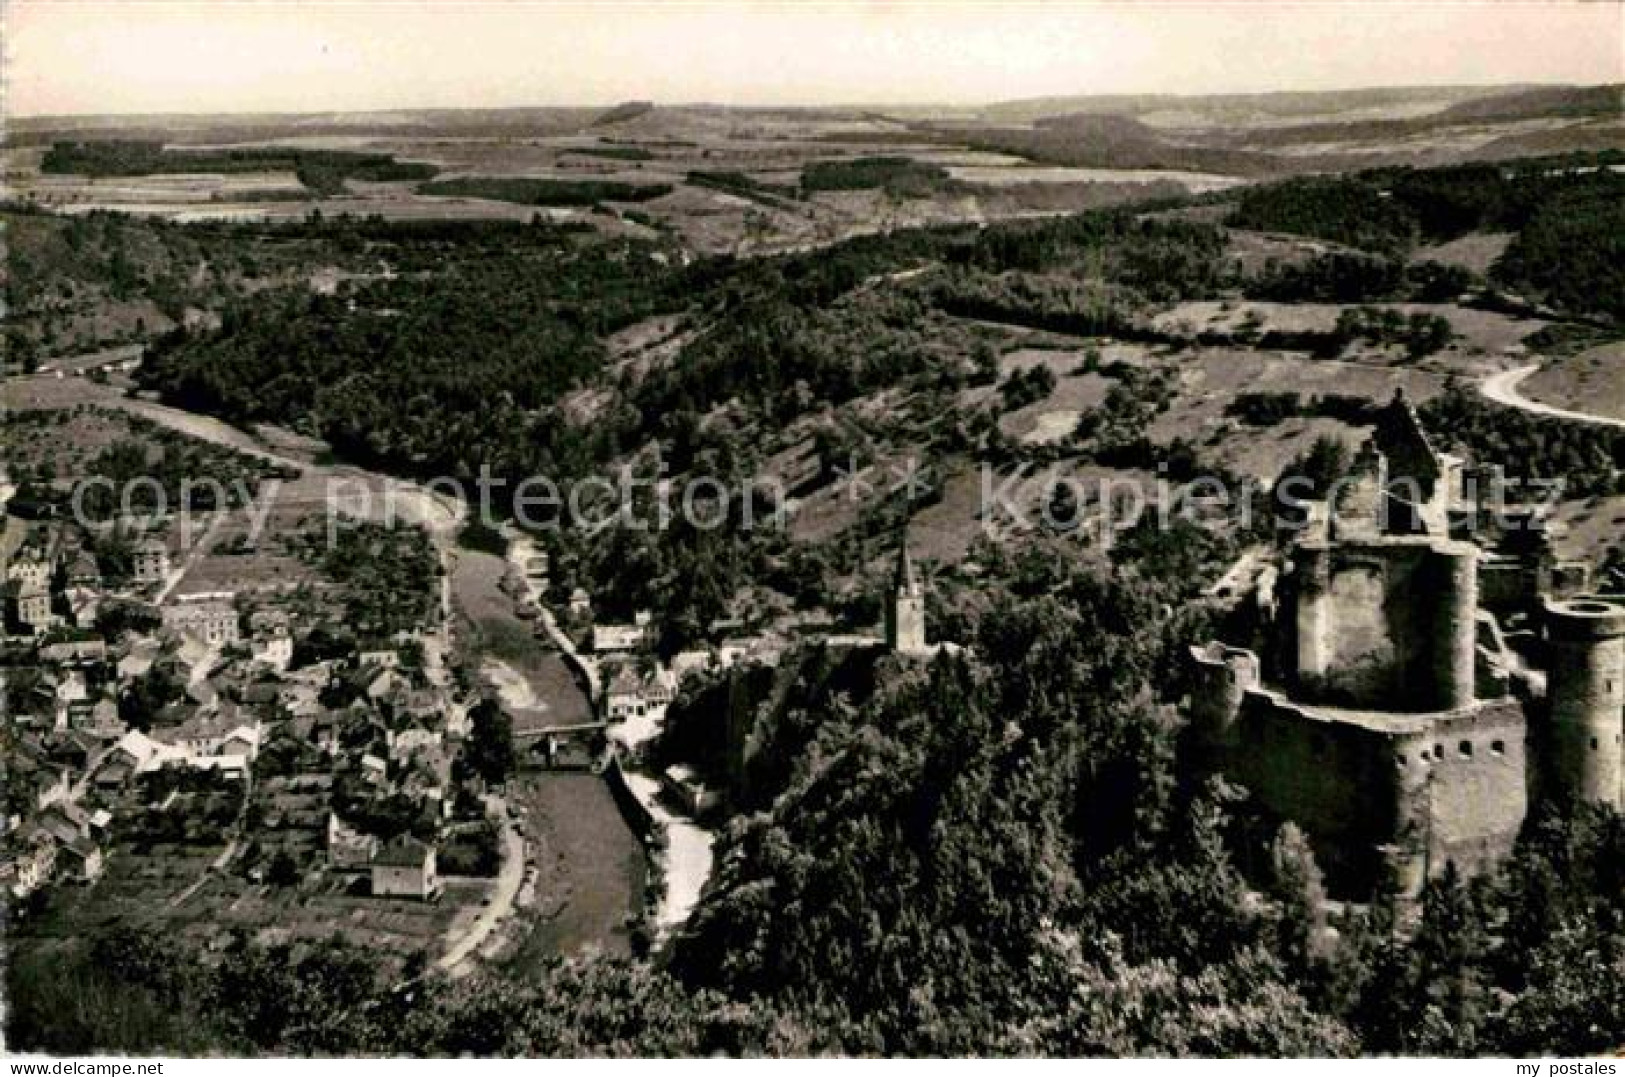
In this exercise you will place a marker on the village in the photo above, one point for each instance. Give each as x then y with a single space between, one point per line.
228 726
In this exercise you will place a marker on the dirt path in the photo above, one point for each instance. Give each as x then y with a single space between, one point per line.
1503 389
458 960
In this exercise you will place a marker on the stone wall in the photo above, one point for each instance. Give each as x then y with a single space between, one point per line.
1435 788
1386 624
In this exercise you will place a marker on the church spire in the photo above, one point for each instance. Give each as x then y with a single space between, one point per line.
905 611
905 581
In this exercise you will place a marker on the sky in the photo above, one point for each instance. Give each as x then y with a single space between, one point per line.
135 56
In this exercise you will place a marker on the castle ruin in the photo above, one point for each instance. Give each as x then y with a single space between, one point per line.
1376 701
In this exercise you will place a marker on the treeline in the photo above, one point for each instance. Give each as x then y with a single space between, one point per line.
743 185
321 170
1571 253
901 177
1272 408
1389 210
531 191
433 374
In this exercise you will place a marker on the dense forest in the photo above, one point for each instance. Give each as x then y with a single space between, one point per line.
1566 213
528 191
901 177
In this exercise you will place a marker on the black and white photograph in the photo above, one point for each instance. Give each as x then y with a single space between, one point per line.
868 529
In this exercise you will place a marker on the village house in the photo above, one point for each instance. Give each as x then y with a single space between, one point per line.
405 868
683 785
31 565
83 571
64 821
378 653
196 736
210 617
84 606
50 781
385 683
623 698
407 742
142 654
348 849
150 561
274 649
613 639
104 721
28 606
71 749
70 690
75 652
634 694
29 868
80 860
374 769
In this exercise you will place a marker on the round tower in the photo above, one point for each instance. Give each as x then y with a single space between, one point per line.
1221 679
1586 695
1455 625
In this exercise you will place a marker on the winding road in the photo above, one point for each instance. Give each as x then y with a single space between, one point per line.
1503 389
458 960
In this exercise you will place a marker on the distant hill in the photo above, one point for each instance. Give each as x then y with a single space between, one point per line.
269 127
1220 109
1577 103
1552 101
1103 141
627 110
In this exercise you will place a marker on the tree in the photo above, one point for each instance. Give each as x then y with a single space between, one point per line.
1296 883
283 870
148 694
490 748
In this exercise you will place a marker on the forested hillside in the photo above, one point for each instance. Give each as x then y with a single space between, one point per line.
1565 212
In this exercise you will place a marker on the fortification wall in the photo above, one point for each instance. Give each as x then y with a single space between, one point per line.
1470 770
1368 790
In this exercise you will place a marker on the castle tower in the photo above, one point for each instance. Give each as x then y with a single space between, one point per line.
1222 678
905 613
1586 695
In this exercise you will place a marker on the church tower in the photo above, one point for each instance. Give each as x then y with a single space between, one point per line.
905 613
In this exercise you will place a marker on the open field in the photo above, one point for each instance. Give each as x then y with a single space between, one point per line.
1592 381
1476 251
1003 174
68 191
1000 161
154 890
